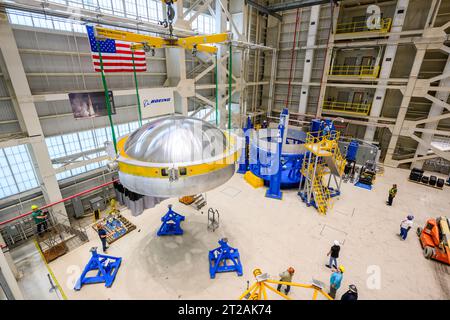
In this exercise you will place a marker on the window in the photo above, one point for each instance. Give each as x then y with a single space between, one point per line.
147 10
74 143
17 171
130 8
203 23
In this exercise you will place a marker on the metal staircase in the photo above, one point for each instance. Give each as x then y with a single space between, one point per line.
321 193
324 158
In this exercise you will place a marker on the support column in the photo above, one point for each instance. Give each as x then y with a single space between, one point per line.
309 56
407 94
176 73
386 66
435 110
176 63
8 281
27 109
221 26
327 62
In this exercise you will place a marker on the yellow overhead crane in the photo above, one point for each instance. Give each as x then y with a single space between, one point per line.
148 43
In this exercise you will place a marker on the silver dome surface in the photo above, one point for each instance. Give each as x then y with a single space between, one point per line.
175 139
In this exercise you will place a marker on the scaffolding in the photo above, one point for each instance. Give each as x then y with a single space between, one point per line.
323 159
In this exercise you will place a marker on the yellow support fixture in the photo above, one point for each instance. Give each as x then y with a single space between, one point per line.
257 291
253 180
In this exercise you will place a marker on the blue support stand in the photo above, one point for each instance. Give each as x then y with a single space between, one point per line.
106 267
171 225
274 190
219 258
244 160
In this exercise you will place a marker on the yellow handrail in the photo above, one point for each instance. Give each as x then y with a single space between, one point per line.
257 291
347 107
354 71
361 26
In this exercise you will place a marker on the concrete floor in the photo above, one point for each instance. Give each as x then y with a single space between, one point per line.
273 235
34 282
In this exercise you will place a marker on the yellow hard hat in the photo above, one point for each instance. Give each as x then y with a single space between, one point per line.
34 207
341 267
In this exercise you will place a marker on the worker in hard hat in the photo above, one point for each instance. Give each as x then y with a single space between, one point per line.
334 254
405 226
335 280
102 235
351 294
40 218
286 276
392 194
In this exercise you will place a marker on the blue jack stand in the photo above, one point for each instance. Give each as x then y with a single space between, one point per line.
171 224
219 256
107 267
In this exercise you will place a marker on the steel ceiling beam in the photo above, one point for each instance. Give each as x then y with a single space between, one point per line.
263 9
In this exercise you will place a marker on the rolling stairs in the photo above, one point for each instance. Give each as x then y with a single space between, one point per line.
197 201
325 160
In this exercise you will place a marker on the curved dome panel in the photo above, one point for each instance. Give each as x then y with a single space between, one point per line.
175 139
176 156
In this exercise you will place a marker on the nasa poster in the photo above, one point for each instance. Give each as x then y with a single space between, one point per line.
90 104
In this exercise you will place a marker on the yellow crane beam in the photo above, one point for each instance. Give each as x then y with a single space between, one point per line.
155 42
141 40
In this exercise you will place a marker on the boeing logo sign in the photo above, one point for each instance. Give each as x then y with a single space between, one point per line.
157 101
149 102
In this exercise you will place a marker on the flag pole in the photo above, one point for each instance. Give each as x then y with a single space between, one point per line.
108 102
137 90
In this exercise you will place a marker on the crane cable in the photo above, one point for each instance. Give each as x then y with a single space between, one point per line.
293 56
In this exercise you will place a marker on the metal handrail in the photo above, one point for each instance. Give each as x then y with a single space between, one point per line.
361 71
361 26
347 107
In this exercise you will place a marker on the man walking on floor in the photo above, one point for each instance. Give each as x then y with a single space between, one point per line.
102 234
405 226
392 194
286 276
334 254
335 281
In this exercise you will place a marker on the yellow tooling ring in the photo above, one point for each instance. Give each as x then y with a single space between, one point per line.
137 168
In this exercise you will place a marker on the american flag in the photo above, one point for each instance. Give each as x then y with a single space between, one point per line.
116 55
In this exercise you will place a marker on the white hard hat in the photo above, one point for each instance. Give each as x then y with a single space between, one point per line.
336 243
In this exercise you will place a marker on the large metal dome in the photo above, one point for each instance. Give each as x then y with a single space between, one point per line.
176 156
175 139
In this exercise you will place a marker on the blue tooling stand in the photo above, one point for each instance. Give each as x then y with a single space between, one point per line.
107 267
218 259
244 160
274 190
171 223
